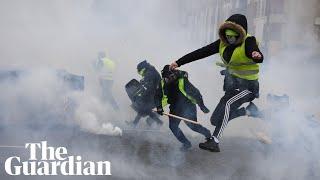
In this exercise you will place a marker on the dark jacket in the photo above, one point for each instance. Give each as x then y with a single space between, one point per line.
176 99
150 80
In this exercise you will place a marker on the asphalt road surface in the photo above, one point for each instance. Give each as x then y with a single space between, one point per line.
155 154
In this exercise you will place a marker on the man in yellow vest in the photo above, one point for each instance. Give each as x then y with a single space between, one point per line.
105 68
240 56
176 90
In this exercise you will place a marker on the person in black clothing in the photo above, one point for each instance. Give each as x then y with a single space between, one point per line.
240 56
176 90
144 100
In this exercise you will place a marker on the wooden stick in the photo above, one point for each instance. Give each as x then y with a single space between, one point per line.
178 117
181 118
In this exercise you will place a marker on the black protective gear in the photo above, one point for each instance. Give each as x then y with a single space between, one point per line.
149 82
142 93
142 65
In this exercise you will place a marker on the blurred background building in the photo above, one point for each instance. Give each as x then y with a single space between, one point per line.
277 24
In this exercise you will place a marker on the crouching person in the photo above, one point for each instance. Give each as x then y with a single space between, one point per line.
142 93
176 90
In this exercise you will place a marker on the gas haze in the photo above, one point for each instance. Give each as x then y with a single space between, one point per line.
40 36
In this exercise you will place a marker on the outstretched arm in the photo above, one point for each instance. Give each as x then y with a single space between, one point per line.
253 51
201 53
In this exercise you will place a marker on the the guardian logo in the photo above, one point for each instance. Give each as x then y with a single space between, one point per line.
53 161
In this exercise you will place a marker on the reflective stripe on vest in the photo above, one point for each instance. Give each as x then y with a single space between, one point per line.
240 65
164 100
181 89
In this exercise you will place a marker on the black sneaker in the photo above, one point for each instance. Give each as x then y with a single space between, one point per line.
185 147
252 110
210 145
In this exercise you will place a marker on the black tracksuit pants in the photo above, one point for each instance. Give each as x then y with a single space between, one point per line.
188 111
228 109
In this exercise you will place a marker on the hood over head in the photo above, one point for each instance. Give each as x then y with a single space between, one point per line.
166 71
169 75
237 23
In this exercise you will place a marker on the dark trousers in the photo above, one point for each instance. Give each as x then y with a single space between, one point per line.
189 112
107 96
153 117
228 109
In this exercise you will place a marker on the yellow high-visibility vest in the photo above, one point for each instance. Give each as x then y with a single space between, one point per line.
239 65
108 69
182 90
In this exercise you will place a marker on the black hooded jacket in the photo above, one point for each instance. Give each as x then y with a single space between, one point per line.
213 48
176 99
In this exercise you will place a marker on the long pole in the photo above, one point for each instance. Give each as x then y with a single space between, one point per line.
178 117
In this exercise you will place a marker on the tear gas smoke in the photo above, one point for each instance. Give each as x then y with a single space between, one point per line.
42 36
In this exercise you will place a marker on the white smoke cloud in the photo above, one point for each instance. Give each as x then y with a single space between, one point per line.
68 34
95 117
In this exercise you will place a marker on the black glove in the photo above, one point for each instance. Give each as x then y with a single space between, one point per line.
160 111
204 109
223 72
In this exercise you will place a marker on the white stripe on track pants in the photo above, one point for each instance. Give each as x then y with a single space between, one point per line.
228 108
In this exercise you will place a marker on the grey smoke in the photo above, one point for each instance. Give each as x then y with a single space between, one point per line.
44 35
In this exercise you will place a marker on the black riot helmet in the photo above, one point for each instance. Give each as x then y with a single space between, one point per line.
142 65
